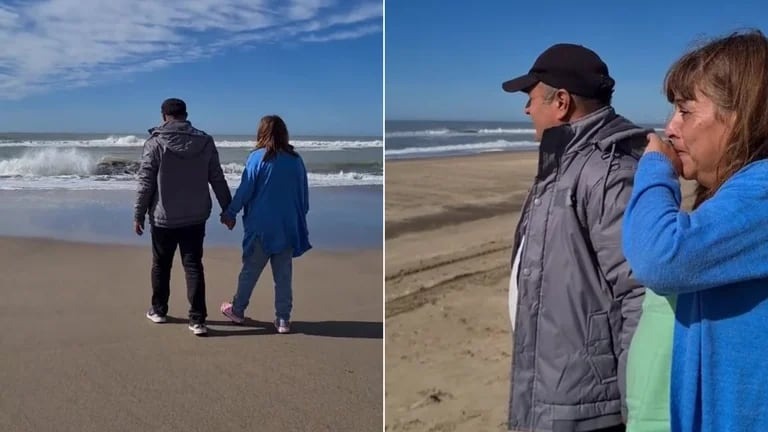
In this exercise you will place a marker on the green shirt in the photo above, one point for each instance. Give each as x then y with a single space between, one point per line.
648 366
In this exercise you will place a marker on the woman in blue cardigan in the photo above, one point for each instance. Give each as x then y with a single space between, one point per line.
714 258
274 194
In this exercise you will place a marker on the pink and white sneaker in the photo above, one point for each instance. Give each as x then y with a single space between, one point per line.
226 309
282 326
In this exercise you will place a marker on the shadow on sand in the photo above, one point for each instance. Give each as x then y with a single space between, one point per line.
339 329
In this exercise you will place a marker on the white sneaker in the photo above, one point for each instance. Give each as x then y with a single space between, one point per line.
155 317
198 329
283 326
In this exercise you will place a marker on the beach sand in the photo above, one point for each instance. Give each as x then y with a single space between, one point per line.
449 228
78 354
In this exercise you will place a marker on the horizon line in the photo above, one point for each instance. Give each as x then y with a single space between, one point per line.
653 123
135 133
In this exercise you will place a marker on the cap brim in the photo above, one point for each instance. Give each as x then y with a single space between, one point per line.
520 83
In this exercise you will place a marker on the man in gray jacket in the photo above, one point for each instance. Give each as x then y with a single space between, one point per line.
573 303
177 165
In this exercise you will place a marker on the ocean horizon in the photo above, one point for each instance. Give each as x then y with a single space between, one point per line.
409 139
97 161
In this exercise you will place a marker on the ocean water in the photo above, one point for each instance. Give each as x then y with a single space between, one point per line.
408 139
77 161
69 187
340 218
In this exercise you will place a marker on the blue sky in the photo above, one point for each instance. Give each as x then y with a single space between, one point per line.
447 60
105 66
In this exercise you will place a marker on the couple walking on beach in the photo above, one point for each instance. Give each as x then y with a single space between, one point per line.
178 164
629 312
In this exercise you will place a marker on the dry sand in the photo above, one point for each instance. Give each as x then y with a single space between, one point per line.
77 353
449 227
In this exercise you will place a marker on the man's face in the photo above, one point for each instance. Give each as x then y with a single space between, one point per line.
542 109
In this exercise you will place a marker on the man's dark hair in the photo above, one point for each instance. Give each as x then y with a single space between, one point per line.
175 108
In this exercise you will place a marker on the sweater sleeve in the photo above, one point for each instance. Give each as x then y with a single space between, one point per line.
247 186
720 243
305 188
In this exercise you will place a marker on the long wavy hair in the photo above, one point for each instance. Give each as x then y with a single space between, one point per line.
273 136
733 72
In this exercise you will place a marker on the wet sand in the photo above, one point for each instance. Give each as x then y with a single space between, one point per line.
78 354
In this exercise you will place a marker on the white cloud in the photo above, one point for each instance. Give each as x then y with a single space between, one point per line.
343 34
72 43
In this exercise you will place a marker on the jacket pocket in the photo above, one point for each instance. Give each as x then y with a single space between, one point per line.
600 354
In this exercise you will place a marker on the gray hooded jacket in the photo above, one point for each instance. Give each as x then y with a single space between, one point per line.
177 165
577 305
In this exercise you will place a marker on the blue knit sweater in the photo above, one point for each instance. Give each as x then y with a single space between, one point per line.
715 259
275 195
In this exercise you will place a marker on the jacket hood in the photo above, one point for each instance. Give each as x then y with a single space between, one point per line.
180 138
612 129
620 130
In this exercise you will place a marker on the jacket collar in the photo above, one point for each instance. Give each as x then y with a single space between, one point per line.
571 136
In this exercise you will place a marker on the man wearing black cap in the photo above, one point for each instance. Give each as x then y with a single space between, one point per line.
573 303
178 164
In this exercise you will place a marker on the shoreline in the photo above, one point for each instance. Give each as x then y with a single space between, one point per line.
340 218
226 248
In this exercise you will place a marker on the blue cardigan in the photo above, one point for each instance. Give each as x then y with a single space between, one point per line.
275 194
715 259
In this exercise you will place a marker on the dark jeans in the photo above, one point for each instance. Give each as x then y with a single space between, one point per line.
190 242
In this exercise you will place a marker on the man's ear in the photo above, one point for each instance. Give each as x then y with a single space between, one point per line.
564 103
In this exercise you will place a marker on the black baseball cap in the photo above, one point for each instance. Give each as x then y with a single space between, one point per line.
567 66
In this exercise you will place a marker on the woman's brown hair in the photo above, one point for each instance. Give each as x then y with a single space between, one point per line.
733 72
273 136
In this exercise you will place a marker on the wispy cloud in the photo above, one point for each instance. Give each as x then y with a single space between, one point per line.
72 43
343 34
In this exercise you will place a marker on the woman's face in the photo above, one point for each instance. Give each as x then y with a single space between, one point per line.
698 136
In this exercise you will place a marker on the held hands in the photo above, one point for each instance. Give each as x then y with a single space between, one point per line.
656 144
226 220
138 227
